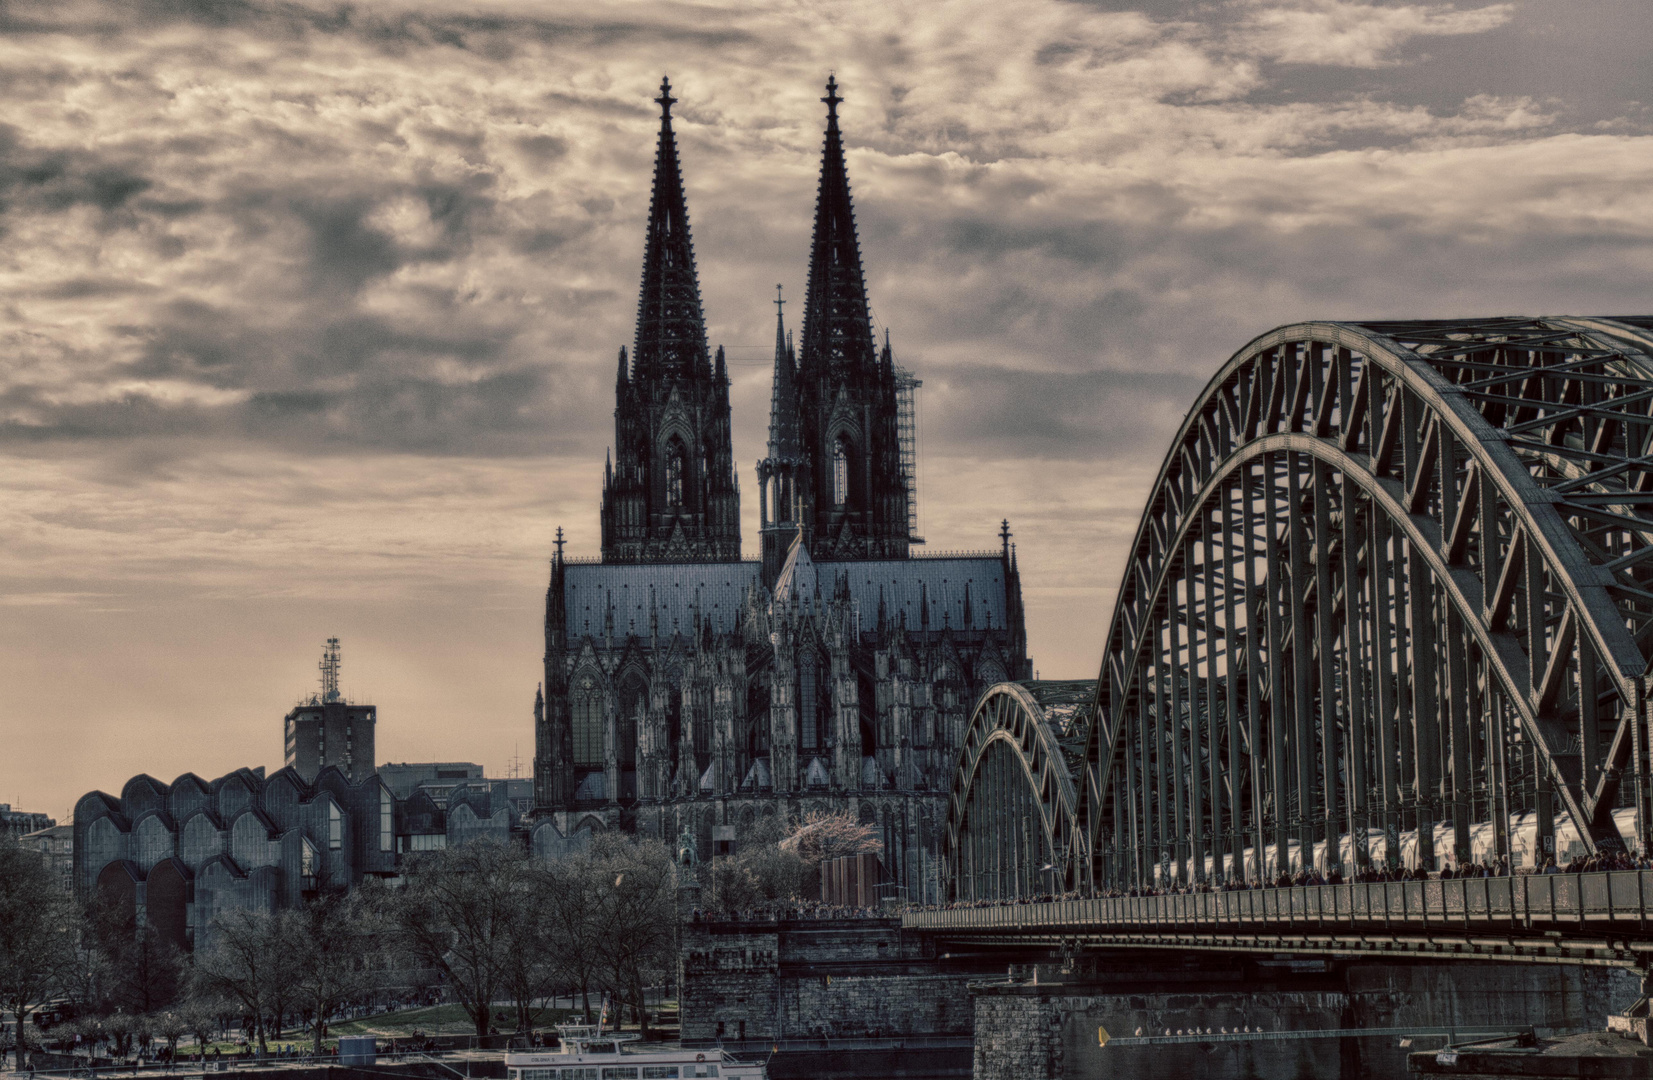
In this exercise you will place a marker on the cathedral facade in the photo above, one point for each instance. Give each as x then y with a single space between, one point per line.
688 689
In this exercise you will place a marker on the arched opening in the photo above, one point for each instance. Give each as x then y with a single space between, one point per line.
811 702
676 465
757 714
843 460
633 707
587 722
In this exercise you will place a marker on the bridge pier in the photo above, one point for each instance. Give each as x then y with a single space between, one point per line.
1255 1015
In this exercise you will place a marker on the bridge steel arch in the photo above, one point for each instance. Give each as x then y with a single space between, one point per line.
1390 576
1012 809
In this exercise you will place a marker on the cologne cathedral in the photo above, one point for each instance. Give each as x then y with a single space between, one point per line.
690 690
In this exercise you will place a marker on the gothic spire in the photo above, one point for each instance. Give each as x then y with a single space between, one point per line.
784 443
837 323
671 328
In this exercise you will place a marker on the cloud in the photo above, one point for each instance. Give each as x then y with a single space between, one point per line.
1358 34
308 311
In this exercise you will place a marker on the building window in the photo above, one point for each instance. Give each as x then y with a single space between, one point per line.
588 723
427 842
633 706
335 827
387 818
840 473
675 457
808 692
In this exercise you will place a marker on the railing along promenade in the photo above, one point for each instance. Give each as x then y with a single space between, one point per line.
1573 918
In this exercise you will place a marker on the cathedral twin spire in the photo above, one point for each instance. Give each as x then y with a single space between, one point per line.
833 468
671 495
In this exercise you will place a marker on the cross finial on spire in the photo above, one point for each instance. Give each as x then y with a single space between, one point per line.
1004 536
832 99
780 304
559 543
665 100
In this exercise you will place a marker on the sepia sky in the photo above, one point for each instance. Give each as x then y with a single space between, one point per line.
308 311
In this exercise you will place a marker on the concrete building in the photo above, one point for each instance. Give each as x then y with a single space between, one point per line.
328 731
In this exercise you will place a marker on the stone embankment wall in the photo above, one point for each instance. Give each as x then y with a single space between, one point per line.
1026 1030
797 978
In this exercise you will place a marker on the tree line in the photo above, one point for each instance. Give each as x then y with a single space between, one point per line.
481 923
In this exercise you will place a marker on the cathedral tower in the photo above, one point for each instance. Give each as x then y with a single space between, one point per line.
852 496
781 472
670 494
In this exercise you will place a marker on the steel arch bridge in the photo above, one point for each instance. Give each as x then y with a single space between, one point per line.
1393 585
1011 815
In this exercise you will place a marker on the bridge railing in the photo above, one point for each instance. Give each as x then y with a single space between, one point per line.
1621 897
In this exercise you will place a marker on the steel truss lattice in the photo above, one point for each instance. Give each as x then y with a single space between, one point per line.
1390 575
1011 815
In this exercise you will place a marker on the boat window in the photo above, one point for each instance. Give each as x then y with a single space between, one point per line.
619 1072
580 1074
700 1070
516 1074
659 1072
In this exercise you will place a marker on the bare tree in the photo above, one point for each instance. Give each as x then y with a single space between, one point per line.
457 913
569 920
338 940
38 929
823 836
244 963
171 1025
636 931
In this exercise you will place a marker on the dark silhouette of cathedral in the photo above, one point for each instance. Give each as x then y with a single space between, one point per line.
688 689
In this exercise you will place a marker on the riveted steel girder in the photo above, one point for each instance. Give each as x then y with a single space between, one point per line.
1390 576
1013 801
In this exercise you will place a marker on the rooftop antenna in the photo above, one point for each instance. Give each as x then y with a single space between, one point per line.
513 771
330 671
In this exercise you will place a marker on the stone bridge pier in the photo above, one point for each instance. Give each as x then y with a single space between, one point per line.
1251 1013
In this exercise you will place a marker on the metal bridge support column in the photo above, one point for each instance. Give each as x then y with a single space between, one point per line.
1457 710
1425 705
1278 716
1231 666
1254 666
1302 657
1174 675
1325 621
1212 723
1498 795
1385 591
1355 685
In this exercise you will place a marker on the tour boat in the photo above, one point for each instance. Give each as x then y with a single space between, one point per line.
589 1053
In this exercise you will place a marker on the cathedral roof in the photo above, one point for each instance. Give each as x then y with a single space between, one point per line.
671 327
837 322
673 593
655 596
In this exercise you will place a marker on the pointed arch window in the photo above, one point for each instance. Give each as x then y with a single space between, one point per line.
586 719
811 700
633 707
676 459
841 472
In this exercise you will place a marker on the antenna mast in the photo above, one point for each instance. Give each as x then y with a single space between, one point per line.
330 671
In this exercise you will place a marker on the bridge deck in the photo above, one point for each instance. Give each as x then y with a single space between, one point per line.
1600 917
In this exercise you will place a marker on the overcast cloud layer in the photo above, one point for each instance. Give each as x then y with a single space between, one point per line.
308 312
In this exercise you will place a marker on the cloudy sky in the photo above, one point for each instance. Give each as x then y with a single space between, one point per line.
308 311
